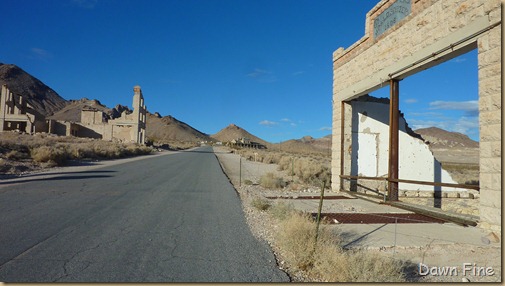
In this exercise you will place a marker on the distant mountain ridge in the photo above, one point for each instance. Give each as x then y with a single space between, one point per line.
43 99
440 138
233 131
166 129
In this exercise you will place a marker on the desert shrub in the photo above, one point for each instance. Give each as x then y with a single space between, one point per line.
260 203
248 182
270 158
16 155
45 154
326 260
282 211
270 181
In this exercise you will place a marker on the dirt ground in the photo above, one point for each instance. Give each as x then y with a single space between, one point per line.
434 254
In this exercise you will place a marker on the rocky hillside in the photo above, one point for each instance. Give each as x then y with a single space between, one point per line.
43 99
442 139
72 112
168 129
308 145
233 131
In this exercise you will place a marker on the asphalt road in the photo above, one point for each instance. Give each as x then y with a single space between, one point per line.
172 218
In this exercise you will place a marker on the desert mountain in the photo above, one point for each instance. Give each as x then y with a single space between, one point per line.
442 139
43 99
308 145
72 112
233 131
168 129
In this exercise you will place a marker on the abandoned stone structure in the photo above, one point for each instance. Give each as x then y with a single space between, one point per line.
130 127
17 114
403 37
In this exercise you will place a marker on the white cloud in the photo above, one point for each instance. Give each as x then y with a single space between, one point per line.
325 128
458 60
262 75
268 123
40 54
410 100
286 120
298 73
455 105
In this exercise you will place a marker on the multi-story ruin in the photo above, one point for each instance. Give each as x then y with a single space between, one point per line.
17 114
129 127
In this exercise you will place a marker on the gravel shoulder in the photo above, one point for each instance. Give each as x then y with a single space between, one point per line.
434 245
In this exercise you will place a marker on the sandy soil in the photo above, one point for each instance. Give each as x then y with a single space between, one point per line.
435 255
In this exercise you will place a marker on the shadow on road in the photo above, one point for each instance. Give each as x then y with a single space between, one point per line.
57 176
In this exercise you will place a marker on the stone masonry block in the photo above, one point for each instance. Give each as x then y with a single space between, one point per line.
490 165
492 56
490 215
490 133
490 104
491 181
490 117
490 198
490 149
490 86
490 70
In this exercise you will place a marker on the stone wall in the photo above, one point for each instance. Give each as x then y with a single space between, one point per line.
433 32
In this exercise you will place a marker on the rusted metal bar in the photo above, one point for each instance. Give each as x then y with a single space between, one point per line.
342 140
393 140
460 186
363 178
473 187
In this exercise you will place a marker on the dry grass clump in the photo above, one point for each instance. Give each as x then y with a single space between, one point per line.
260 203
51 150
309 169
325 260
270 181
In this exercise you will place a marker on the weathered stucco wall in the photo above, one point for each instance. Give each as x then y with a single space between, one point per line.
370 150
433 31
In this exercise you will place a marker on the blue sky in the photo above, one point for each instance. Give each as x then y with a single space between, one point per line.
264 65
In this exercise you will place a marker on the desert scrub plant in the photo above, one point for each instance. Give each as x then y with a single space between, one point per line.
325 260
49 154
281 210
260 203
270 181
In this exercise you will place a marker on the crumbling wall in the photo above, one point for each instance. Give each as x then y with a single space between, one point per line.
429 33
17 114
370 150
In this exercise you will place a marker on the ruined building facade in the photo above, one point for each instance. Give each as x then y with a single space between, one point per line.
129 127
403 37
17 114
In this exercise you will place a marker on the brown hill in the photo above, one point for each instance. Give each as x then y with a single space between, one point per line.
308 145
233 131
442 139
72 112
168 129
43 99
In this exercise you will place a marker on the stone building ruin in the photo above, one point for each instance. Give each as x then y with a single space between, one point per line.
403 37
129 127
17 114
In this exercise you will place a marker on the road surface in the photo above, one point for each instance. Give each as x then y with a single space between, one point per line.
171 218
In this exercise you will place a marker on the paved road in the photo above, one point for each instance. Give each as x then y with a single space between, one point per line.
162 219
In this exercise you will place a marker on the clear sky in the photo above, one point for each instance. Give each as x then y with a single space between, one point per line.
264 65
